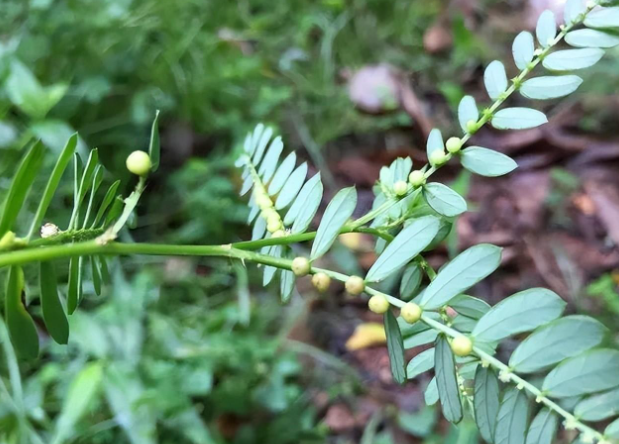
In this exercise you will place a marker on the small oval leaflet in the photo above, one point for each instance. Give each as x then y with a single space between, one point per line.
550 87
523 311
467 112
546 29
269 164
336 215
487 162
603 18
292 187
430 394
435 142
486 401
464 271
543 427
511 425
554 342
261 145
589 372
304 208
598 407
495 79
523 49
407 244
395 347
446 381
612 431
518 118
282 174
421 363
570 59
591 38
411 278
444 200
286 285
573 8
469 306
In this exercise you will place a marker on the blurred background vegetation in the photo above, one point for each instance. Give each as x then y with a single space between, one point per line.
195 351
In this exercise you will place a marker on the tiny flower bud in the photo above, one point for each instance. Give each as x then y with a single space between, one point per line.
49 230
570 424
400 188
300 266
139 163
7 240
520 386
263 202
437 158
538 399
453 144
505 376
485 364
278 234
321 282
462 346
378 304
471 127
274 224
587 438
416 178
355 285
411 312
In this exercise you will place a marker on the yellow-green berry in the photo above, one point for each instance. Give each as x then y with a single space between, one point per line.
411 312
355 285
438 158
321 281
416 178
471 127
378 304
453 144
139 163
400 188
300 266
263 202
7 240
461 346
267 213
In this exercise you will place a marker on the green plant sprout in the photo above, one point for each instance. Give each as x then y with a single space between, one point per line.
573 379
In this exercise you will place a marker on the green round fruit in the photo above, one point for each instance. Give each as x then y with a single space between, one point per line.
139 163
461 346
438 158
400 188
355 285
300 266
453 145
411 312
416 178
321 282
378 304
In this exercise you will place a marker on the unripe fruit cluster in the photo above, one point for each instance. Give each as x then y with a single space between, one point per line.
461 346
275 226
139 163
